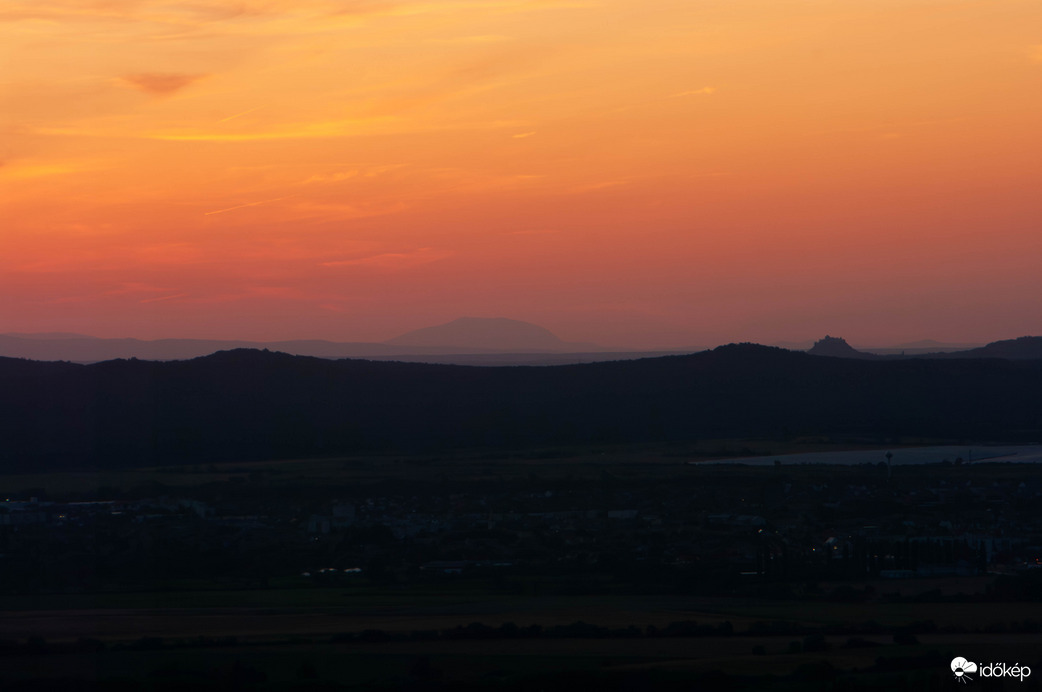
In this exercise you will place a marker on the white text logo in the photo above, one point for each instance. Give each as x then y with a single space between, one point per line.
963 669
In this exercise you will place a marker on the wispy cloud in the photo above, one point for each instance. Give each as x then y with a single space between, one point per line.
340 176
27 171
393 260
134 287
704 91
593 187
353 127
316 130
160 82
889 126
60 10
162 298
522 135
536 232
464 40
265 16
238 115
332 177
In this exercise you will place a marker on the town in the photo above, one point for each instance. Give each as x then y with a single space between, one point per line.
574 526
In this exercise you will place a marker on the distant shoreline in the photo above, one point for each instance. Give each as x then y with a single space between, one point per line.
974 454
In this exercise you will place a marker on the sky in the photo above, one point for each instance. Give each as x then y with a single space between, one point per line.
647 175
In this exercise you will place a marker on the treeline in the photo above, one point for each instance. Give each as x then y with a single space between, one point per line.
509 630
254 405
813 634
901 673
809 637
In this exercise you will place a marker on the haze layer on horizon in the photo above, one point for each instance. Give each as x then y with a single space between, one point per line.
685 172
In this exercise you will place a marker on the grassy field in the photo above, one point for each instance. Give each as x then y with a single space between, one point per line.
321 612
397 663
644 461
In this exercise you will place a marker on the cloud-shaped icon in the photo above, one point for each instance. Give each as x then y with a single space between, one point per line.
960 666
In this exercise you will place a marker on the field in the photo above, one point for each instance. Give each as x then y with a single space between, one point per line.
645 461
471 630
284 645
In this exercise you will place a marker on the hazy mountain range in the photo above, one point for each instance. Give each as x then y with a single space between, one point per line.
488 333
467 340
470 340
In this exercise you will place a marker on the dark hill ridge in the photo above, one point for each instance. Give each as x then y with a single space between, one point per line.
249 405
1025 347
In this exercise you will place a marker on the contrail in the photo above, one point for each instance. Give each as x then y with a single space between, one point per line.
243 206
233 117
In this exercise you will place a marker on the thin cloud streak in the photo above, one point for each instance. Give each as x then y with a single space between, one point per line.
163 298
704 91
393 260
243 206
238 115
161 82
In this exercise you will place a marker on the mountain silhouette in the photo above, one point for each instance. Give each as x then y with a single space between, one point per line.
837 348
485 333
469 341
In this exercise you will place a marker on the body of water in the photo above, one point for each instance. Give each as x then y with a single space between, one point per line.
1023 454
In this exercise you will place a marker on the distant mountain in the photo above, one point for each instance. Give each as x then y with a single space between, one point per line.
487 333
86 349
451 342
837 348
252 405
467 341
47 336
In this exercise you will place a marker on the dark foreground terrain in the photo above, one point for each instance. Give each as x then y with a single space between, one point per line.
610 567
252 520
257 405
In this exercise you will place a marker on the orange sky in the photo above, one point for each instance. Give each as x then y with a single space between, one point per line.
683 172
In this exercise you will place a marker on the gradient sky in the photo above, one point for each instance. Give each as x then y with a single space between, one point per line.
681 172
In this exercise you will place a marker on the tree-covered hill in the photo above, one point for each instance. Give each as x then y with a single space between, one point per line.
249 405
